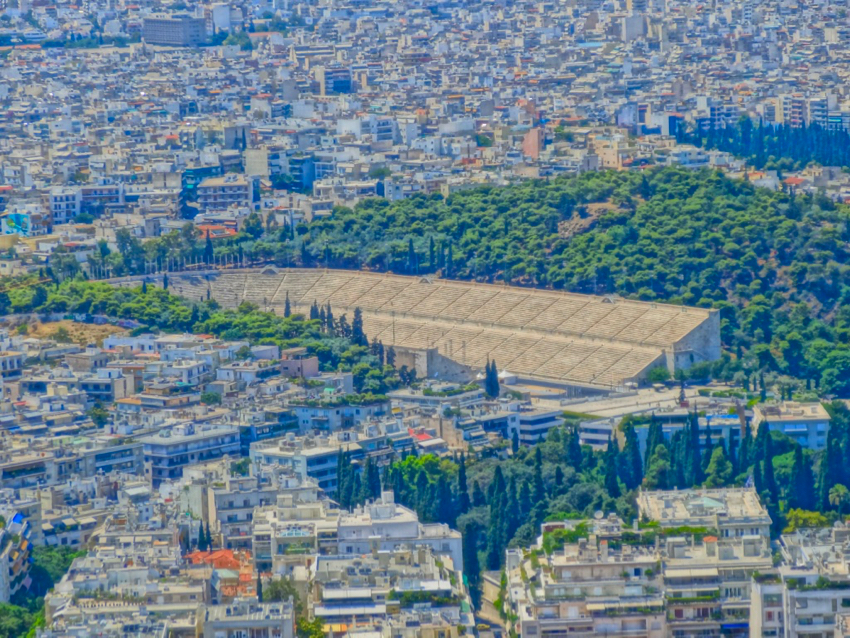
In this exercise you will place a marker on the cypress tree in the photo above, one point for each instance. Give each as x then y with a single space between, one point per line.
829 471
422 495
208 250
511 513
695 460
357 334
494 544
330 319
539 494
445 501
573 448
515 441
745 451
708 450
462 489
802 488
432 262
478 498
287 308
559 480
654 437
612 486
202 541
164 281
144 287
631 462
471 566
314 311
525 499
209 538
768 474
259 588
412 264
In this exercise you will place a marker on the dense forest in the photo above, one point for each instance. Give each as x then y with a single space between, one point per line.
500 503
773 264
776 147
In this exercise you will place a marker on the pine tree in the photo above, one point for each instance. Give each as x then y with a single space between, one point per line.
719 470
287 308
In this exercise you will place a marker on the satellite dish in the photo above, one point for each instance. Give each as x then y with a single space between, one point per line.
599 515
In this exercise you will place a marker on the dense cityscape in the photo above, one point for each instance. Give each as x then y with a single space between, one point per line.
424 320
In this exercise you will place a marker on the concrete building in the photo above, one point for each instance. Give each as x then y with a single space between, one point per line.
733 512
246 617
806 423
15 547
170 450
175 30
587 588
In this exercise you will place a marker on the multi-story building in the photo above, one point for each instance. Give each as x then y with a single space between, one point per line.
15 546
169 451
176 30
231 507
220 193
301 520
708 585
244 618
732 512
587 588
806 423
